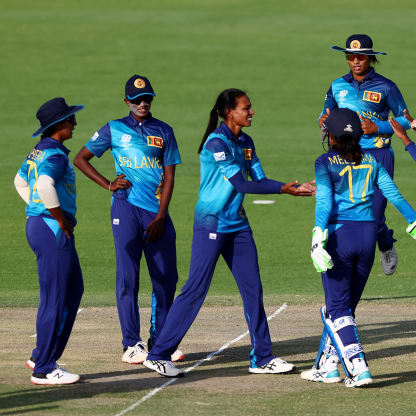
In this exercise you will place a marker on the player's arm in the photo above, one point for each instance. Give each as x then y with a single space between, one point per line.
400 132
154 230
324 197
390 191
22 188
329 104
82 162
397 105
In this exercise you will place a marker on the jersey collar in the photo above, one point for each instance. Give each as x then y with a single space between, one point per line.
350 78
133 122
225 130
49 143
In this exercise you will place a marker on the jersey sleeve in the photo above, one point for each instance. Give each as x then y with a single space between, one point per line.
22 172
324 194
329 102
390 191
411 148
256 171
100 141
395 102
171 154
54 166
223 157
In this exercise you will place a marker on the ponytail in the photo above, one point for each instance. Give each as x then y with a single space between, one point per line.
227 99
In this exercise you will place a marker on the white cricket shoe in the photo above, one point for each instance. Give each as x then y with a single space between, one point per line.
58 376
164 368
274 366
389 261
178 355
30 363
136 354
321 375
359 379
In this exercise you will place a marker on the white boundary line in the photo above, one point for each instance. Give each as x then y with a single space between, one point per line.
79 310
187 370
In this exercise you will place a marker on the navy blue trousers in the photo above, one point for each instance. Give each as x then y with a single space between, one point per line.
129 223
385 238
61 288
352 248
239 252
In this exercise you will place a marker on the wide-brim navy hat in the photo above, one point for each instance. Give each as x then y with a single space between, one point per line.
358 44
343 121
138 85
54 111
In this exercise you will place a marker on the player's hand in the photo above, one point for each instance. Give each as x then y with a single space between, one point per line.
67 227
399 131
411 230
119 183
293 188
320 257
324 117
154 230
410 119
368 126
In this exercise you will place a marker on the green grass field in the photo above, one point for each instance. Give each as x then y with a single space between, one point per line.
191 50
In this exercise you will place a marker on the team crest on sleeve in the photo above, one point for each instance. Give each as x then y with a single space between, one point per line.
139 83
155 141
248 154
95 136
374 97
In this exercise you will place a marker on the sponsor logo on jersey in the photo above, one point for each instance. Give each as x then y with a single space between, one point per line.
342 95
248 154
95 136
212 236
155 141
355 44
116 221
139 83
125 141
219 156
374 97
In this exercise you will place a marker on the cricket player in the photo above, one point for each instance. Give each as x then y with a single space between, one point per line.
228 157
46 182
145 153
344 241
372 96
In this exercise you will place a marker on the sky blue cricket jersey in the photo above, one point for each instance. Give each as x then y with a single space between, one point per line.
50 157
220 206
373 98
140 151
345 191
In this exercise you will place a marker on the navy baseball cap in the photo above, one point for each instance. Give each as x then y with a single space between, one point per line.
138 85
343 121
358 44
54 111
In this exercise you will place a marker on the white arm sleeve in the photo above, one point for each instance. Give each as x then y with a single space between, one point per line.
47 192
22 188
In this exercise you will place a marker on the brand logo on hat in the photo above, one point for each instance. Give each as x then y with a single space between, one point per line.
374 97
355 44
348 128
139 83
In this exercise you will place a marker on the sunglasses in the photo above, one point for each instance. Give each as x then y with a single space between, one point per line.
146 98
360 57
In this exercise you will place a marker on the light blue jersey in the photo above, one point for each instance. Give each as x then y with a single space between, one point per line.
220 206
373 98
140 151
345 191
50 157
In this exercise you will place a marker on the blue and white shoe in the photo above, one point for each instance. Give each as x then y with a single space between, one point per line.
359 379
321 375
274 366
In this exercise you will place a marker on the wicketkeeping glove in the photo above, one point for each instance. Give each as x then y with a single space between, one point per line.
411 230
320 257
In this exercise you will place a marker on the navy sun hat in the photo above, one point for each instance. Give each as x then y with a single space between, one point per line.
54 111
138 85
358 44
343 121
